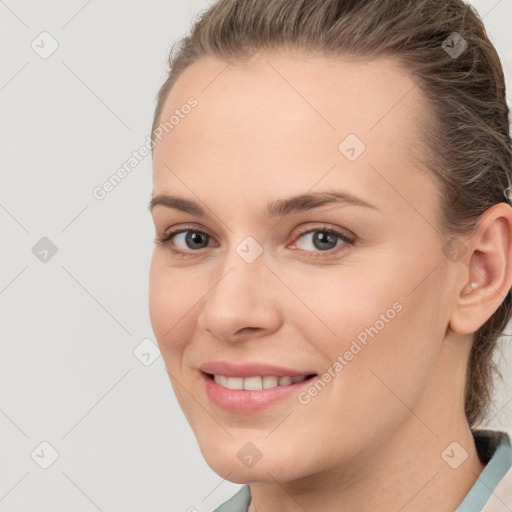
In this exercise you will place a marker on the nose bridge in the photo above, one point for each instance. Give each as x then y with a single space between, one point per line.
241 295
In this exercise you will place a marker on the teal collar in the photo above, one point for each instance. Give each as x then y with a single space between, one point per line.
494 450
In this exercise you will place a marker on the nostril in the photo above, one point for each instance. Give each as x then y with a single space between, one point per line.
250 329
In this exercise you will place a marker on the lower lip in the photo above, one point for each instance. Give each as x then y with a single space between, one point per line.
243 401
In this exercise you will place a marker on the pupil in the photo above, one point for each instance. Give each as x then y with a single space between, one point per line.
323 240
196 240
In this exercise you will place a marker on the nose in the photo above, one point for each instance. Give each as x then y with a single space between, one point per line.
242 302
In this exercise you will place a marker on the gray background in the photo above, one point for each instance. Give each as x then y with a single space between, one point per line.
70 324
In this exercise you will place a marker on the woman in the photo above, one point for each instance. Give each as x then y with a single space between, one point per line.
333 258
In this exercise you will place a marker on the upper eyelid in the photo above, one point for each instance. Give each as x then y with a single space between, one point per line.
324 227
184 228
298 230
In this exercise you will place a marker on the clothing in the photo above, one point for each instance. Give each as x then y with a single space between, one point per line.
492 492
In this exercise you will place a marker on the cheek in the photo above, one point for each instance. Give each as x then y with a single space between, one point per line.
171 308
375 321
171 304
341 303
371 294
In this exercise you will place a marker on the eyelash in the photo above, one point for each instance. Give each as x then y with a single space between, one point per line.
166 241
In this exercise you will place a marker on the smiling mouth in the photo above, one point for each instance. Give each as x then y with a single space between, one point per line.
257 382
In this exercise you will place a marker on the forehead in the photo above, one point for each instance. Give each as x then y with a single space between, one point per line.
285 118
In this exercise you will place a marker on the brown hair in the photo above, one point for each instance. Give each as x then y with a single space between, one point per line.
466 119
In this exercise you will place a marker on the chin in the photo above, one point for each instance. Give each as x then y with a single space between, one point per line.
259 473
246 465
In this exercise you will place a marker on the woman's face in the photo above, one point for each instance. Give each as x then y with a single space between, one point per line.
307 244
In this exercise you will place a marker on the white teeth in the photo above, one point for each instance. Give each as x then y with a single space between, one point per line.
235 383
220 379
270 382
255 383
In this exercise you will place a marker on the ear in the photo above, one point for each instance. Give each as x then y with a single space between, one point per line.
488 273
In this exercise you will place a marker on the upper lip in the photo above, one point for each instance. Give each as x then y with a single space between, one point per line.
249 370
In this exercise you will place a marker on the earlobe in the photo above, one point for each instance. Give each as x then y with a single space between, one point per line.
488 273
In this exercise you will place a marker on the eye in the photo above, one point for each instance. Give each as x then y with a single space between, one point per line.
321 239
191 239
183 241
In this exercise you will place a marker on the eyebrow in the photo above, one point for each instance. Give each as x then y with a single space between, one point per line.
278 208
